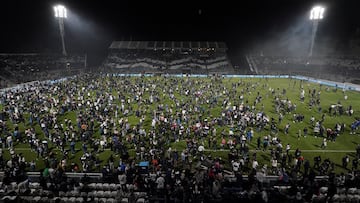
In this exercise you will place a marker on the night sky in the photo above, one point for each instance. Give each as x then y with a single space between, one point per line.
30 26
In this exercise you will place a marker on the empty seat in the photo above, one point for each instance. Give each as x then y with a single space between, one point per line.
68 194
356 198
34 185
62 194
342 197
124 200
64 199
55 199
44 199
72 199
79 200
107 194
352 190
110 200
92 186
106 186
92 194
113 194
324 190
36 199
349 197
8 198
100 193
99 186
140 200
113 186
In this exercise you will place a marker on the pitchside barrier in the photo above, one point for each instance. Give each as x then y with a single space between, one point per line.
97 177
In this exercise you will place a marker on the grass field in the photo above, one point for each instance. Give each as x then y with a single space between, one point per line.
345 144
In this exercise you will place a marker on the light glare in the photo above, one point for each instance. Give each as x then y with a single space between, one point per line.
60 11
317 13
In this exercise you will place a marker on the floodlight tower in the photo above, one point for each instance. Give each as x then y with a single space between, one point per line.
61 13
316 14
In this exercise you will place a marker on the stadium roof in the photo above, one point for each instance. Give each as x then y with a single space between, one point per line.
176 45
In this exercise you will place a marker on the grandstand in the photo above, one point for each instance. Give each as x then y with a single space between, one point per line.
173 57
26 67
341 68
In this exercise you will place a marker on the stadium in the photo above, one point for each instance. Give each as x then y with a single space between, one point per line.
180 118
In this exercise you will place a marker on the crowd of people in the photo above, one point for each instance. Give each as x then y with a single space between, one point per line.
143 119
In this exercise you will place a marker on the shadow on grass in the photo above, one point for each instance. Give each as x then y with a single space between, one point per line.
352 154
266 158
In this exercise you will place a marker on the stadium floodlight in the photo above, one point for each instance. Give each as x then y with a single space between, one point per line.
61 13
316 14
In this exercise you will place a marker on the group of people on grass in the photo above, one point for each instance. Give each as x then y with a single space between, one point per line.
169 122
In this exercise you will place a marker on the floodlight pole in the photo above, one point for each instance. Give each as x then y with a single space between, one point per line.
61 13
62 33
313 36
316 14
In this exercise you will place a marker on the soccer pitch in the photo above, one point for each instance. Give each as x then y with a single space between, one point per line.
212 98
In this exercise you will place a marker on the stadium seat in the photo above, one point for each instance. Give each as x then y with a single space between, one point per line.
64 199
107 194
356 198
349 197
92 194
140 200
324 190
44 199
34 185
113 194
79 200
83 194
75 193
352 190
100 193
113 186
92 186
342 198
55 199
110 200
8 198
36 199
99 186
124 200
106 186
72 199
62 194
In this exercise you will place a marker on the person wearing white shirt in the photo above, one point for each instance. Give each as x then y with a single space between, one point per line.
255 164
235 165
